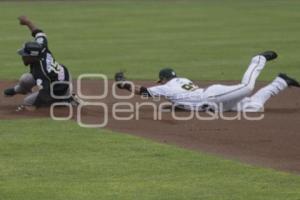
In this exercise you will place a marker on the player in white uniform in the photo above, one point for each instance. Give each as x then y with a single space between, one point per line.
183 93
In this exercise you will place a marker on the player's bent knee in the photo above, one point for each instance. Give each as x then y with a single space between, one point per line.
26 79
250 87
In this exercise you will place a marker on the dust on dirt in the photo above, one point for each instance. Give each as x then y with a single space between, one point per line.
271 142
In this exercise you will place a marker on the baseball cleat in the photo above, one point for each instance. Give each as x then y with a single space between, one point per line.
269 55
9 92
290 81
20 108
75 100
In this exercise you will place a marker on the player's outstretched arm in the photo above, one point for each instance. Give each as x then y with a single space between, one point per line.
25 21
38 34
123 84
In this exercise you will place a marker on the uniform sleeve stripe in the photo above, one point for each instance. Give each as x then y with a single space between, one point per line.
40 35
43 70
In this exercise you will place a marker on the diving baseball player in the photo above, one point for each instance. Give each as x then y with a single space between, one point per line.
183 93
51 78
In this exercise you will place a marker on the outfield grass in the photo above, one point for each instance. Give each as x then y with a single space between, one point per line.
203 40
63 161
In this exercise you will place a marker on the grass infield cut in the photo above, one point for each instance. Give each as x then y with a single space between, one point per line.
202 40
62 161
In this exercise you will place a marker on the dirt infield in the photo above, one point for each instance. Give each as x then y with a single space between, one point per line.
270 142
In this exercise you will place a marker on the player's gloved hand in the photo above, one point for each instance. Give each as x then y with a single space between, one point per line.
120 78
24 20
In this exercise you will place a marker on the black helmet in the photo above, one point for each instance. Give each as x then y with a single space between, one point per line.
166 73
33 49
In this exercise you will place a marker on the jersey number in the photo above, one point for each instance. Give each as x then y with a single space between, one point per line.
55 67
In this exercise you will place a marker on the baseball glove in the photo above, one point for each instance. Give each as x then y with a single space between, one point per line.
120 78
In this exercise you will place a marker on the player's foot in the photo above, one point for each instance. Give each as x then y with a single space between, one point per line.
269 55
9 92
290 81
75 100
22 108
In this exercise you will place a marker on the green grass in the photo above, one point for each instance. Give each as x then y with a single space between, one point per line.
202 40
63 161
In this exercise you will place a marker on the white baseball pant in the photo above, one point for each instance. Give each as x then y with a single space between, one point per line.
236 97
